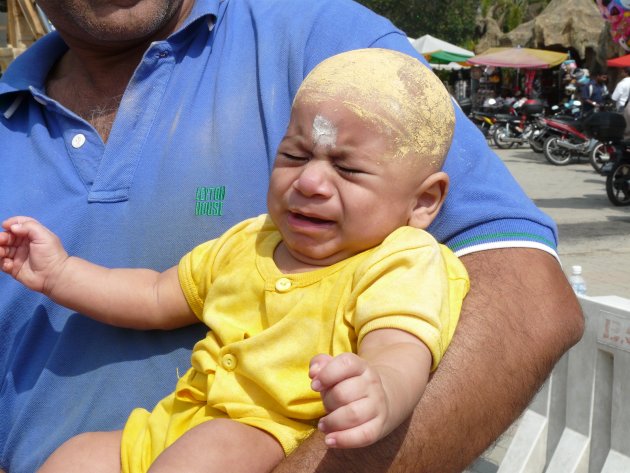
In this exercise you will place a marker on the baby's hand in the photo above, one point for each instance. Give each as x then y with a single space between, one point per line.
30 252
354 397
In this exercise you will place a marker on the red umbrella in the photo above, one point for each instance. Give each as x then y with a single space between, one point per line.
623 61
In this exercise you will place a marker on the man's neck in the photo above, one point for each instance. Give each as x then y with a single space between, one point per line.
92 87
90 80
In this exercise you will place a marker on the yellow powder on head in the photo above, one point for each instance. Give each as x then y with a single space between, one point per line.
397 94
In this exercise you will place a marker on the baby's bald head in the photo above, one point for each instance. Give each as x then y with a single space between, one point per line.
392 91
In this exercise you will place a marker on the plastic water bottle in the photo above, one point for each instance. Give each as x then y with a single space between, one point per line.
576 280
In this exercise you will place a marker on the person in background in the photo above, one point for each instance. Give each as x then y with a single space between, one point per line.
622 90
136 117
594 93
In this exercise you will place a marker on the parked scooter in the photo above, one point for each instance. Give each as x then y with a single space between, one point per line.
568 142
607 152
617 172
618 180
517 128
609 128
484 121
570 110
486 116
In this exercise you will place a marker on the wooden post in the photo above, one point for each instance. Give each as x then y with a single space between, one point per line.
24 27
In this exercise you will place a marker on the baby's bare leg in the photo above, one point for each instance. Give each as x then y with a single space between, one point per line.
221 445
96 452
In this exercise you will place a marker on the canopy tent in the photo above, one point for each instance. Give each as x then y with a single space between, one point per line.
519 58
623 61
444 57
441 53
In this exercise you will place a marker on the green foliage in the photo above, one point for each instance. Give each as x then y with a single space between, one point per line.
485 7
451 20
511 13
514 17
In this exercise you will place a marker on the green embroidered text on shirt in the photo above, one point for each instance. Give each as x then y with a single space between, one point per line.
209 201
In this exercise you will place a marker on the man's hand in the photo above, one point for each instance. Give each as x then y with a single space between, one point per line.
30 252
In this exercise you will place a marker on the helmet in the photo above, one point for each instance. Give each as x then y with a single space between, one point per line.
570 89
579 73
582 76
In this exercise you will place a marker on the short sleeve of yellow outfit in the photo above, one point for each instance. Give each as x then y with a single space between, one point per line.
265 326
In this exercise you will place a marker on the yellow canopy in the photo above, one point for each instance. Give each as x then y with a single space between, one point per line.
520 58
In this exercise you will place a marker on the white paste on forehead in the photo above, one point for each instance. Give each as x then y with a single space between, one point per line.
324 132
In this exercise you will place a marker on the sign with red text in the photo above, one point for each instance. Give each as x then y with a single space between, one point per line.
614 331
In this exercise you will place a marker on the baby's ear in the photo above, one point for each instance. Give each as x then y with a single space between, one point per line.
429 200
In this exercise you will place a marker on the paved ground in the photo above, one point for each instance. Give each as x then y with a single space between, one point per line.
593 233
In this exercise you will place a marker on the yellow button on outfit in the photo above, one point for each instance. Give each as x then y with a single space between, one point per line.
228 362
283 285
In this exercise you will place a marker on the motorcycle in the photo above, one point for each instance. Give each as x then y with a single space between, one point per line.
571 109
484 121
618 180
609 127
541 133
617 172
611 146
520 126
604 153
486 116
567 142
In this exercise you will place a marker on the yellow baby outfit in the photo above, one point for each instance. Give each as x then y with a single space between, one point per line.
265 326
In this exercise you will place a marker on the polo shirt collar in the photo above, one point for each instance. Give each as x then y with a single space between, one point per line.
31 67
204 8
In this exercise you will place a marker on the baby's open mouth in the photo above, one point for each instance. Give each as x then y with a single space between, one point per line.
307 218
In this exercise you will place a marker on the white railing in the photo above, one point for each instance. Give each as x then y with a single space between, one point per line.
580 420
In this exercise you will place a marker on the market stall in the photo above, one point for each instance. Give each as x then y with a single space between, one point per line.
440 53
493 83
445 56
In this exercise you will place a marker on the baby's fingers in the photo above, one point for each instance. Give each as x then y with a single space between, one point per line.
27 227
7 240
317 364
6 265
17 220
340 368
352 426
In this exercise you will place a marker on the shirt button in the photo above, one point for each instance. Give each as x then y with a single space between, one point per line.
228 362
283 285
78 140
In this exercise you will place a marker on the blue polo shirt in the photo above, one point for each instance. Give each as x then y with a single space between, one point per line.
189 155
593 91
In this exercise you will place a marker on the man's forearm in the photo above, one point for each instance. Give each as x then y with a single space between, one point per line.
518 319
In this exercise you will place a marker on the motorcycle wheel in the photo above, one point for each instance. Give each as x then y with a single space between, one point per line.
618 185
554 153
499 136
599 156
487 131
537 141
